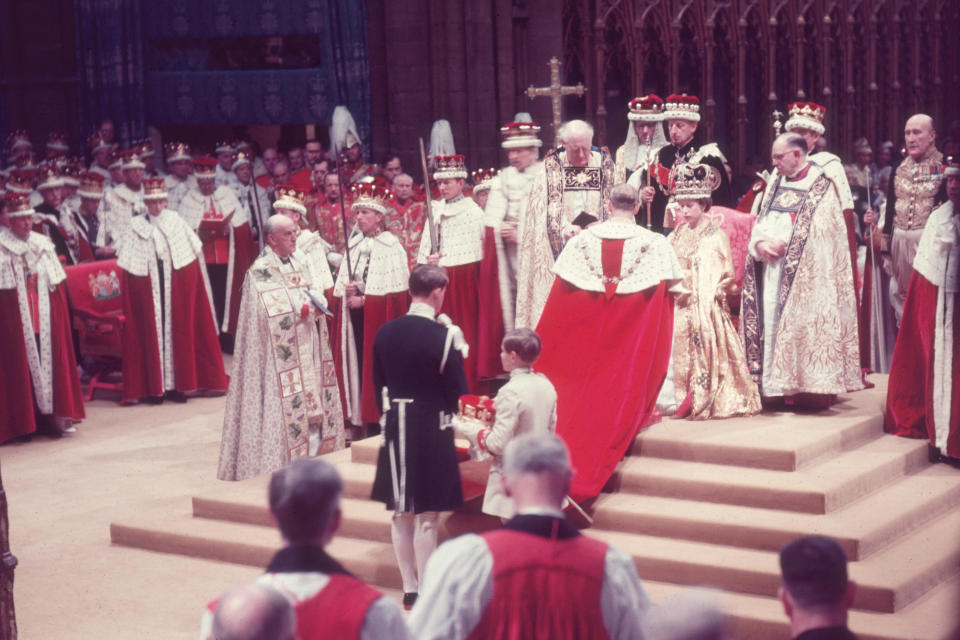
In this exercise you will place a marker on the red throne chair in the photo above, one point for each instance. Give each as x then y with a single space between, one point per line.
96 310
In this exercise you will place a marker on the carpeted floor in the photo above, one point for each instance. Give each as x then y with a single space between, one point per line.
71 583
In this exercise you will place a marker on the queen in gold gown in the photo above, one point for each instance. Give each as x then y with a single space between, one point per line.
710 376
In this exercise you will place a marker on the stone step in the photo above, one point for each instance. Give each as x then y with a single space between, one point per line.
365 451
357 479
888 580
862 528
364 519
248 544
781 441
820 488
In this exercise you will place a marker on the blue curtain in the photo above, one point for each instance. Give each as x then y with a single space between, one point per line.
110 65
348 49
186 84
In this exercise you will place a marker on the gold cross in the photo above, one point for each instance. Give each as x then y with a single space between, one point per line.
555 91
292 385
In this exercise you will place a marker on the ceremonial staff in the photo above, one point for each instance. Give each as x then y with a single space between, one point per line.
434 240
874 289
256 201
343 216
647 205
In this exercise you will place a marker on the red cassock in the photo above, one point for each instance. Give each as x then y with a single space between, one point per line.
462 304
197 362
910 408
607 356
490 323
560 572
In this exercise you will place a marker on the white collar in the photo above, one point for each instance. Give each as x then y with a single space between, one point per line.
553 512
519 370
423 310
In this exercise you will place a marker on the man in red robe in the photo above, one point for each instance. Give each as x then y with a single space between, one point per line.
923 399
38 380
371 290
606 329
535 577
223 225
459 231
170 343
490 327
406 216
327 218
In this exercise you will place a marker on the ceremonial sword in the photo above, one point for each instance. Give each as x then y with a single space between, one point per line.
434 240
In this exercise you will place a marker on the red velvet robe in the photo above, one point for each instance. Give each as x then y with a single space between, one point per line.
910 393
490 323
197 361
462 304
377 311
607 355
16 404
244 253
17 412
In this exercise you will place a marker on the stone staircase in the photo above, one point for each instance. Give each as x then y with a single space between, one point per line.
694 503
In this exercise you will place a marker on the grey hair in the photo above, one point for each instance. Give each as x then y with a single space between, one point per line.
575 128
537 453
254 612
401 175
304 497
623 197
793 141
270 224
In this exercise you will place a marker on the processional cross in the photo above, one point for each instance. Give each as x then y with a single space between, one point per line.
555 91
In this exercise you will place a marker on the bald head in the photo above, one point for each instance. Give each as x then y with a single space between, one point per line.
919 135
254 612
277 222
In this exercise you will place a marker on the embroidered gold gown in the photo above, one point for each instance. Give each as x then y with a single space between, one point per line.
709 362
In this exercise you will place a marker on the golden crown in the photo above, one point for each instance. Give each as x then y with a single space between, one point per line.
370 195
177 151
452 166
520 134
483 179
694 180
289 197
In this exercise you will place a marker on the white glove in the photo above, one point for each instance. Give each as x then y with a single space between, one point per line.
467 429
